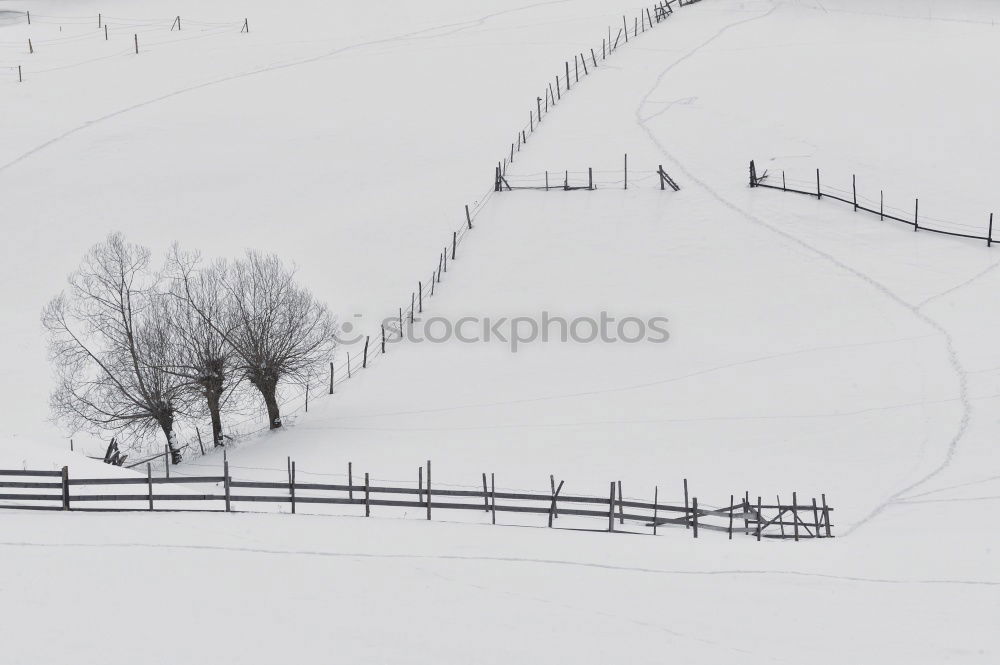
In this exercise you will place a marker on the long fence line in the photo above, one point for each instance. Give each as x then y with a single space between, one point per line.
375 346
796 521
648 18
884 212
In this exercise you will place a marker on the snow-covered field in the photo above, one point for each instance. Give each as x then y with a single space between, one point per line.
811 349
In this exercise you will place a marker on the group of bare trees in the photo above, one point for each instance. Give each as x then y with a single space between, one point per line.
135 350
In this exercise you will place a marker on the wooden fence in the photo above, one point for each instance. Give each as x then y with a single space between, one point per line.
808 519
883 212
569 181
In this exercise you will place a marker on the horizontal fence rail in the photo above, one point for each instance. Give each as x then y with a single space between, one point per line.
796 520
765 180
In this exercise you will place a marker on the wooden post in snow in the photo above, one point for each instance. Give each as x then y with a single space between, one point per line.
227 484
989 234
136 36
795 515
656 499
854 188
468 217
364 360
626 170
916 215
149 483
611 508
493 497
291 485
567 74
428 489
454 243
368 507
331 378
694 509
687 514
350 481
486 496
819 193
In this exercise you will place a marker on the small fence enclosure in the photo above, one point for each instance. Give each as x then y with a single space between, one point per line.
746 517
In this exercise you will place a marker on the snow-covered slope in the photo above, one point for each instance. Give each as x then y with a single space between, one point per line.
812 349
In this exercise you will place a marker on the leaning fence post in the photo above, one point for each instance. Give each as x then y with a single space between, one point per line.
364 359
826 515
694 508
854 188
149 483
468 217
65 488
659 172
760 519
486 496
989 234
621 504
815 519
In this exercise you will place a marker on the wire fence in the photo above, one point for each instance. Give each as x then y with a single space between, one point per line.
911 218
740 516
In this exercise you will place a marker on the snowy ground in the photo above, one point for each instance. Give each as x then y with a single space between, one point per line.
812 348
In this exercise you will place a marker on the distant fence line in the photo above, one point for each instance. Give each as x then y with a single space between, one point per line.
797 521
819 193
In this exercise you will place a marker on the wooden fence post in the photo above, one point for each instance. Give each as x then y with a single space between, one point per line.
65 488
538 104
621 504
625 26
731 499
659 172
590 178
881 205
486 496
854 188
694 508
493 496
626 170
420 297
136 43
331 372
307 398
687 515
200 444
454 243
428 489
815 519
350 481
781 518
166 459
383 327
760 519
468 217
227 485
368 507
291 486
593 58
826 516
656 499
784 186
916 215
795 515
567 76
149 483
364 360
420 485
989 234
611 508
819 193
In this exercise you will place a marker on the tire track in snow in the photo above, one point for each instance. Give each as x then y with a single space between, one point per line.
915 310
505 559
448 29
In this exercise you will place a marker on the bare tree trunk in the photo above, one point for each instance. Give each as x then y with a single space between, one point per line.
166 423
269 391
215 411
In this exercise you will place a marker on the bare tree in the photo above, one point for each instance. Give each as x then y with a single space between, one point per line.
198 309
278 331
109 348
